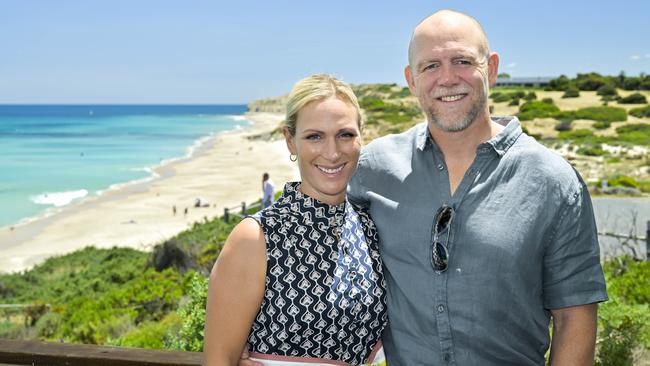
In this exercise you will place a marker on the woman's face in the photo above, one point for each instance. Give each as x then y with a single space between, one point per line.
327 143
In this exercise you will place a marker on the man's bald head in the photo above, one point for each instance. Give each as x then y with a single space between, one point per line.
446 20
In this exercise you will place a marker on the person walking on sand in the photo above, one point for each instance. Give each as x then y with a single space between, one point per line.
268 189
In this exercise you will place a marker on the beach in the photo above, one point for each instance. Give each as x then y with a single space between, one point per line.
224 171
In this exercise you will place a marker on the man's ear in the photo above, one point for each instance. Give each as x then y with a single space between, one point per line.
289 140
408 75
493 68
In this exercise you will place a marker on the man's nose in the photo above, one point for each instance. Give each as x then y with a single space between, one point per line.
447 76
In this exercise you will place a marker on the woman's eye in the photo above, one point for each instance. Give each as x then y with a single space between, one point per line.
312 137
348 135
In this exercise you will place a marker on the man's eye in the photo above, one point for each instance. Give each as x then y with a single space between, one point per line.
429 67
463 62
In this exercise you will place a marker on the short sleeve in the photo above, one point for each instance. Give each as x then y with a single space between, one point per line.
572 271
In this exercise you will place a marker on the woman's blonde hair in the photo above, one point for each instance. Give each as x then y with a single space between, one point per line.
317 87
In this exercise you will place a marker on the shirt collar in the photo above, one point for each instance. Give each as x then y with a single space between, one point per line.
500 143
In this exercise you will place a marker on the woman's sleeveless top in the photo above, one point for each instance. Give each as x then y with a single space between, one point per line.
325 291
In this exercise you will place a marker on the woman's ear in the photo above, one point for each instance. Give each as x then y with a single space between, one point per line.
289 139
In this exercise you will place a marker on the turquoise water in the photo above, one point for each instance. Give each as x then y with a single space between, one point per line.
51 156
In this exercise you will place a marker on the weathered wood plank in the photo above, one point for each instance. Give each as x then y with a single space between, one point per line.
55 354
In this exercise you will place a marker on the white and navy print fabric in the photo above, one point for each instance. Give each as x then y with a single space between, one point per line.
325 292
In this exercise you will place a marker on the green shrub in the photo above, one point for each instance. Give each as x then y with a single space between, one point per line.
402 93
590 82
571 92
601 125
500 97
530 96
561 83
602 113
192 314
514 102
607 90
623 181
371 103
535 109
638 134
579 134
622 327
548 101
634 98
564 125
592 150
640 112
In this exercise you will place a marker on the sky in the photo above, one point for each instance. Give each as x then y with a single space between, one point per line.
233 52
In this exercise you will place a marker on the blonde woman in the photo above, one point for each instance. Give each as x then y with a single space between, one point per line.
300 283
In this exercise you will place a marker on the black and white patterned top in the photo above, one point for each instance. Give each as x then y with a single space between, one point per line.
325 291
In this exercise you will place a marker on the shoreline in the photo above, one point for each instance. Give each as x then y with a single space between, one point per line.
224 169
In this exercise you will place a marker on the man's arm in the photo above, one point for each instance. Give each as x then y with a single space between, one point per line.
574 335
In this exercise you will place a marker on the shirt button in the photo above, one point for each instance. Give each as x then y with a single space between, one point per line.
441 308
441 167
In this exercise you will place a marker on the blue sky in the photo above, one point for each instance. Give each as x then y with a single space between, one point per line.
157 51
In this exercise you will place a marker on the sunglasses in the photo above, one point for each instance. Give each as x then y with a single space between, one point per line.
439 250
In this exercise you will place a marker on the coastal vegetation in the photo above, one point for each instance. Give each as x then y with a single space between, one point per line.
156 299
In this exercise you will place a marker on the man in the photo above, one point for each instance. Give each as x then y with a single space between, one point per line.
484 232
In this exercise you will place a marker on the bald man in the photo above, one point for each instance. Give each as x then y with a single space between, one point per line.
485 234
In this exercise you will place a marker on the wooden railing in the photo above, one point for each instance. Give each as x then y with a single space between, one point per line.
635 238
13 352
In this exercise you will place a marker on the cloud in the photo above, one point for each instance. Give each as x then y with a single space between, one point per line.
635 57
647 55
511 65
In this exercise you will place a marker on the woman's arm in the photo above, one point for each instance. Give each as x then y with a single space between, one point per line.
235 294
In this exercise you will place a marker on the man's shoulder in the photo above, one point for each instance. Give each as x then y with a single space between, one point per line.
545 165
396 143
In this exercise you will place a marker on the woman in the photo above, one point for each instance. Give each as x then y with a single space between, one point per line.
300 282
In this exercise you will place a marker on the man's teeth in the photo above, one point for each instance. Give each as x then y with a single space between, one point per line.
330 171
451 98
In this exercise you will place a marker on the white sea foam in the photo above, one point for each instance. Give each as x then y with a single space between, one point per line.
58 199
238 118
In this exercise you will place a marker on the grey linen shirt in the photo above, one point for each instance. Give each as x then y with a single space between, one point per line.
523 241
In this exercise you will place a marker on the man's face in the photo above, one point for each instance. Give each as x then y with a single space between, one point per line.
450 76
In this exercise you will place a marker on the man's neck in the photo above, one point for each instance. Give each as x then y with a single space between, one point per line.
459 148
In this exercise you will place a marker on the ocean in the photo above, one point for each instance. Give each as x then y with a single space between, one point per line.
52 155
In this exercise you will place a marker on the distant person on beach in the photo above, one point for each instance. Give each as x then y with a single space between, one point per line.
301 281
268 188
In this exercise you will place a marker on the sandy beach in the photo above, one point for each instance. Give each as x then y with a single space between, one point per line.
224 171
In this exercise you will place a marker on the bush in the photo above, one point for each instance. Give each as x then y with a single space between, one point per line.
640 112
564 125
535 109
514 102
530 96
404 92
603 113
571 92
592 150
623 181
638 134
548 101
601 125
579 134
192 314
622 328
607 90
635 98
